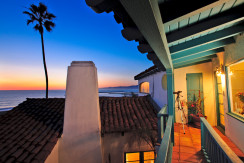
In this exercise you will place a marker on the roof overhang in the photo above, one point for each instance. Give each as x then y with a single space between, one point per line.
192 35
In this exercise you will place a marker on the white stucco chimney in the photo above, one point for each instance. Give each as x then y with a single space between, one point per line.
81 140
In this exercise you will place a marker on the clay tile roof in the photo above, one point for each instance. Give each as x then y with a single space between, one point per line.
29 132
122 114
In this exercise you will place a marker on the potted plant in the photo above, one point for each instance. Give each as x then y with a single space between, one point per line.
240 95
195 110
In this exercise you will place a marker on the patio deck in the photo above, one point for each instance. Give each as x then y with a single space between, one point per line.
188 146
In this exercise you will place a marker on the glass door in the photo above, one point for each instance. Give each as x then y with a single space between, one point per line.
219 103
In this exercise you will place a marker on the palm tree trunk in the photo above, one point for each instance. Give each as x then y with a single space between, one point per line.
45 67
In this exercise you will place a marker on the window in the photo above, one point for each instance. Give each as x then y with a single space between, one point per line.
144 87
164 82
140 157
236 87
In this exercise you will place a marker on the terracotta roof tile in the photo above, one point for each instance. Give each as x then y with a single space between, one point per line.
126 114
29 132
24 130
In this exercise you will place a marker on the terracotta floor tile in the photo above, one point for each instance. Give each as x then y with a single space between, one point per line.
175 161
175 155
184 143
186 149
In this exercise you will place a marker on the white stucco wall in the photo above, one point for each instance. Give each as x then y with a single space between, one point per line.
234 129
208 89
116 145
81 140
156 90
53 156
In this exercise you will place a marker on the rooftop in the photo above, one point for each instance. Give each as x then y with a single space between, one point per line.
29 132
147 72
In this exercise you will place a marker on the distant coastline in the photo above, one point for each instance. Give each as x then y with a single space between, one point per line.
11 98
122 87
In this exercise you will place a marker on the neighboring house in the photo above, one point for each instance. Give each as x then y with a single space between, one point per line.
201 47
154 82
32 131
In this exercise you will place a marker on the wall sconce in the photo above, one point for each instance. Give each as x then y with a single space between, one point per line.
220 70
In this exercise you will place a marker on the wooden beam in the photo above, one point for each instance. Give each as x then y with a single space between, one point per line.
196 12
231 16
199 55
192 64
194 61
216 36
203 48
147 17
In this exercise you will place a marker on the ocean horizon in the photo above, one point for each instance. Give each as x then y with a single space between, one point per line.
11 98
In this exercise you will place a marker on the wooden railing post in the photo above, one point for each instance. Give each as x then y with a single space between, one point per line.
162 115
213 146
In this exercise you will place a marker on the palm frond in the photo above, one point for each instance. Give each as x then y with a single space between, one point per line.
49 16
49 25
29 21
41 16
34 9
42 9
39 28
28 13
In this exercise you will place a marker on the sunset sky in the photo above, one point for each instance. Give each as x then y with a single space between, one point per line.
80 34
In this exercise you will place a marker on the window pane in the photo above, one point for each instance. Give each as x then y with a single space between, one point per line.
132 156
222 120
148 155
144 87
236 78
149 161
221 109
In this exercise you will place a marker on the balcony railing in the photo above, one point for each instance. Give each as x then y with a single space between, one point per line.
213 146
165 150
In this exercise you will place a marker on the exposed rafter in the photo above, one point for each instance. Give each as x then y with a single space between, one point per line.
177 65
197 56
203 48
191 64
228 17
219 35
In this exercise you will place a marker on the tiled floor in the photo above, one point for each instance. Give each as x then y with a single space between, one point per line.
237 151
188 146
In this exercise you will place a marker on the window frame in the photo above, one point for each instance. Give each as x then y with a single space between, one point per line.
228 87
141 156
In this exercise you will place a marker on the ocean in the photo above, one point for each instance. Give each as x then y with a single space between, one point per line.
10 99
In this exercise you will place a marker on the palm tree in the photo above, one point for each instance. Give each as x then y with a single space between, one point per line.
42 18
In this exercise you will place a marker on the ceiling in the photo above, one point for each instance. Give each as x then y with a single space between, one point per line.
175 33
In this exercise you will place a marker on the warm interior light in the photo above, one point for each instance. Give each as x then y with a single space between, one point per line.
220 70
231 72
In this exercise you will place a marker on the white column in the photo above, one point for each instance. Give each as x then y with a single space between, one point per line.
81 140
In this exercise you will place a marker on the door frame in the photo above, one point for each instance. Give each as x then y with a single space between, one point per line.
203 110
219 125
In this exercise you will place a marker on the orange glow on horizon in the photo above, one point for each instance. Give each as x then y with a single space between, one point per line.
57 86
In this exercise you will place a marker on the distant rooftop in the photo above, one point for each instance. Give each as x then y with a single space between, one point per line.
148 72
29 132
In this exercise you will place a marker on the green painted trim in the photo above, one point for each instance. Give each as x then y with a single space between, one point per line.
219 35
236 116
203 48
192 64
217 98
195 60
189 58
170 90
227 88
